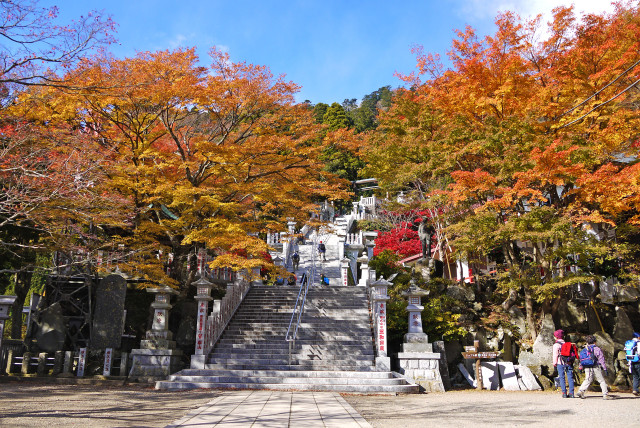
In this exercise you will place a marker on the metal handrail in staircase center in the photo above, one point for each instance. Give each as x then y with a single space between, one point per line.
298 309
296 315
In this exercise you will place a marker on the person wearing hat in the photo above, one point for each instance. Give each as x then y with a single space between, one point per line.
594 370
564 370
634 368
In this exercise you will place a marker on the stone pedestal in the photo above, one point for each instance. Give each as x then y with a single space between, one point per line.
422 368
157 357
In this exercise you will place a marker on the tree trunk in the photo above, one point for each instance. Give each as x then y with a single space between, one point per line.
23 283
511 299
528 304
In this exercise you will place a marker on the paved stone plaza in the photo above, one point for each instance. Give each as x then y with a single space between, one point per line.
30 404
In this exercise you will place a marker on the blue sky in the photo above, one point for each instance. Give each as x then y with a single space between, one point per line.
333 49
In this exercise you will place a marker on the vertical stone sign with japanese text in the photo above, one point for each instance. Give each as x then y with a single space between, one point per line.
109 315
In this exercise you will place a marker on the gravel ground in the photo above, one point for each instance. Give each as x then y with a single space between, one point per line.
39 404
470 408
45 405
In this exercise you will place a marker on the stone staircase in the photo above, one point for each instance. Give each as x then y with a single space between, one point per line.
334 350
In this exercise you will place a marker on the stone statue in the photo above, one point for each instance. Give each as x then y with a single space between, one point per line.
425 232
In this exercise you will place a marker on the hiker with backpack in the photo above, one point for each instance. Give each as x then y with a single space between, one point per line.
295 260
322 250
564 354
632 351
592 361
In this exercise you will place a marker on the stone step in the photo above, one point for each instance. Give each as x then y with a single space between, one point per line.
362 389
261 356
299 341
302 365
349 328
288 373
244 347
338 380
337 361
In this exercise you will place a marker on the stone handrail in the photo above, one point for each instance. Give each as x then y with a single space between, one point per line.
274 237
220 316
354 238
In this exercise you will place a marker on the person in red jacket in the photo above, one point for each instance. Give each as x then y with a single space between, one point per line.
565 370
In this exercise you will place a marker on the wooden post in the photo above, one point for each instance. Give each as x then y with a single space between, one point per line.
474 353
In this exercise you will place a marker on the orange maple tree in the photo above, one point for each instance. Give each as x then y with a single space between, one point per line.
527 138
208 156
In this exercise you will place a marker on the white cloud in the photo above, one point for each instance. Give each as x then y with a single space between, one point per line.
487 9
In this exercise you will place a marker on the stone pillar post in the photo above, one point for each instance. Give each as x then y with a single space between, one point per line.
26 362
291 226
364 271
124 362
353 251
5 304
355 210
344 271
342 239
67 367
379 297
58 361
203 297
42 364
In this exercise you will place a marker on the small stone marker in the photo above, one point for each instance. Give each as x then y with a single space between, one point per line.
528 378
466 375
508 376
478 356
82 360
108 361
490 375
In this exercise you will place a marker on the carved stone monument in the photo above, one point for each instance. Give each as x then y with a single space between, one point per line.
108 321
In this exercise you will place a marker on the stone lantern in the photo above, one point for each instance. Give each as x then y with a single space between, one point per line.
157 357
379 298
5 304
277 260
414 295
418 363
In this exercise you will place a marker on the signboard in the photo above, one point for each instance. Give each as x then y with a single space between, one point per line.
202 313
82 359
108 354
382 327
470 349
481 355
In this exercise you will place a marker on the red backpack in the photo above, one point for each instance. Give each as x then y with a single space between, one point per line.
568 353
